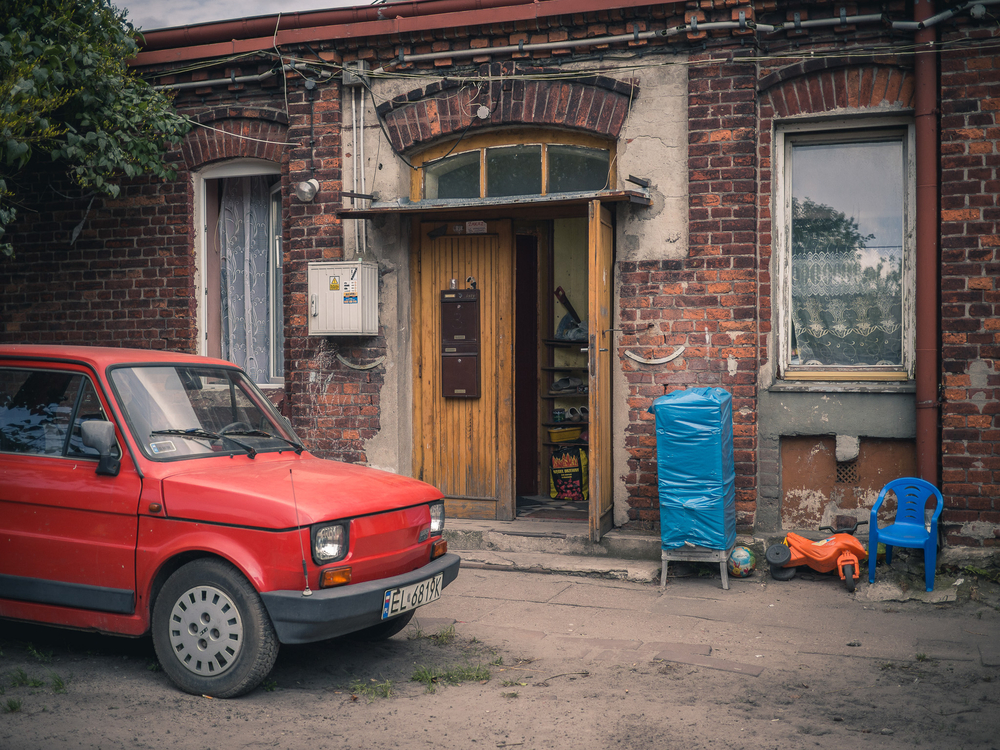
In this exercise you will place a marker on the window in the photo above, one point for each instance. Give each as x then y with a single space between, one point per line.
528 164
844 247
242 269
181 411
41 412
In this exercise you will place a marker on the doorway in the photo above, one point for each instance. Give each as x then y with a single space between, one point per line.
542 363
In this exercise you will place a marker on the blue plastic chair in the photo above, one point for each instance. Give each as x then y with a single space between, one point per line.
909 528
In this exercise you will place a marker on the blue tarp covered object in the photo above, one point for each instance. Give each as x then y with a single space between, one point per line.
694 460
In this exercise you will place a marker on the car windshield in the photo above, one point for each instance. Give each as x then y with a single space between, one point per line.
177 411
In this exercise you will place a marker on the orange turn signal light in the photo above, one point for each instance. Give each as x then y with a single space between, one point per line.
438 548
334 577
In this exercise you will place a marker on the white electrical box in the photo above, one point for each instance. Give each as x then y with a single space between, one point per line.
343 298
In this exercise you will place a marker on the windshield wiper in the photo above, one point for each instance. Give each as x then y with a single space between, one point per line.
261 433
199 434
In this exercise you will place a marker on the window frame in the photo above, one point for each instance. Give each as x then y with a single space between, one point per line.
68 448
512 137
846 130
225 170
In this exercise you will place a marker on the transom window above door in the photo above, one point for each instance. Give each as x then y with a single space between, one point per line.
513 163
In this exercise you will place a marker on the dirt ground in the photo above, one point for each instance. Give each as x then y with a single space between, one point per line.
544 661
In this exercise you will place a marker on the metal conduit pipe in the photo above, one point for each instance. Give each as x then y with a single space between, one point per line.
225 81
216 81
589 42
926 293
945 15
695 27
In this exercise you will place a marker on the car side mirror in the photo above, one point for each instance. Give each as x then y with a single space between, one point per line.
100 435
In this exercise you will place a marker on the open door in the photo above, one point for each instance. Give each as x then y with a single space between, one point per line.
464 445
601 238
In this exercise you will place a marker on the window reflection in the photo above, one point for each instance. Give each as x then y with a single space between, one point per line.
847 253
576 168
514 170
453 177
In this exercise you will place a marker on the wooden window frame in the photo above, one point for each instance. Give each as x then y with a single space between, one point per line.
847 130
513 137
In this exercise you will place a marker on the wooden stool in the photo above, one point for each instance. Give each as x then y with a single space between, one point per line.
693 553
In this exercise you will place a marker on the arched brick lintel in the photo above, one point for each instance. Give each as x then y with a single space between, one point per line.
596 105
800 90
235 137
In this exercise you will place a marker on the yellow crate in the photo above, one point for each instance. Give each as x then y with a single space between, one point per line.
564 434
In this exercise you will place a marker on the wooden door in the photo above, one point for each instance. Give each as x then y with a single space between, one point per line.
601 239
464 446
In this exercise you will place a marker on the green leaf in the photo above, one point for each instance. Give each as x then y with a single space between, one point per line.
68 95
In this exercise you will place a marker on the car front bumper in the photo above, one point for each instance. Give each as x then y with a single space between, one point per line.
329 613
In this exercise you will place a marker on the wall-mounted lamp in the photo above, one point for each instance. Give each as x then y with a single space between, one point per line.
306 191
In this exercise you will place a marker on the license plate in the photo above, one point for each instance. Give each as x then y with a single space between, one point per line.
409 597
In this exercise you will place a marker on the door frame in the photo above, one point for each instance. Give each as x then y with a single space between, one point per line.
600 258
600 337
458 422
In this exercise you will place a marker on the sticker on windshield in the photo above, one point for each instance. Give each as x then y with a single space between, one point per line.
163 446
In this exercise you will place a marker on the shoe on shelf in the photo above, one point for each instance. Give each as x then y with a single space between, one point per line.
573 415
566 385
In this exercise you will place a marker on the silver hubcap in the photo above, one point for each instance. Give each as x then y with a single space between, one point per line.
206 632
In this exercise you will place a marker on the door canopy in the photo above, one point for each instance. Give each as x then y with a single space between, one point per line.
504 95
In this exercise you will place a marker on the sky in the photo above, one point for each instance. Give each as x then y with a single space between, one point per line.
148 15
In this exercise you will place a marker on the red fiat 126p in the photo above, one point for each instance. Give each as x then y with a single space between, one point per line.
147 491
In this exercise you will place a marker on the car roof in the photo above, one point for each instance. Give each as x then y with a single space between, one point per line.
101 357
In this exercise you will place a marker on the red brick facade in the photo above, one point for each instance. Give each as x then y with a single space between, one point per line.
597 105
129 277
970 296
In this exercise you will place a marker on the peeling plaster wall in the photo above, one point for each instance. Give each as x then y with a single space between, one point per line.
890 414
653 145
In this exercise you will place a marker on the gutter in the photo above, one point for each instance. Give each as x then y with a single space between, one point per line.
926 300
242 37
268 32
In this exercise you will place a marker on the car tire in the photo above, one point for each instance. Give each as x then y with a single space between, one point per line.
385 630
211 631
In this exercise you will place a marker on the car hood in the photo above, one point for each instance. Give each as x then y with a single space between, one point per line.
259 493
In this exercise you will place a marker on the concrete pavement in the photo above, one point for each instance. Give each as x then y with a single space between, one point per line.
766 664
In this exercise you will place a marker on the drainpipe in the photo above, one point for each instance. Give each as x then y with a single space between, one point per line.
927 307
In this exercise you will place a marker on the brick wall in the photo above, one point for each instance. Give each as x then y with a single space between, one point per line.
970 298
125 280
595 104
707 301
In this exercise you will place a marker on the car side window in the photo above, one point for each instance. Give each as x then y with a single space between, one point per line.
88 408
41 412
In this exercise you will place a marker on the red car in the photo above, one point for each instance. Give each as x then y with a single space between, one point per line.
146 491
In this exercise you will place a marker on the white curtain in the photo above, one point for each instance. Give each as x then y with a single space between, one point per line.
246 304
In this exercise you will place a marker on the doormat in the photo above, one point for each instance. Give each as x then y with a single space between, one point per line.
542 508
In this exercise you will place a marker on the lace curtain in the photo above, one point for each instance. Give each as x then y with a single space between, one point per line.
246 305
844 313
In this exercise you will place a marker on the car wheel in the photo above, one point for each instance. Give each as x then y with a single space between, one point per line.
211 632
385 630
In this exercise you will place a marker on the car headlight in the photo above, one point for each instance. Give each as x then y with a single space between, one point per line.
329 543
437 518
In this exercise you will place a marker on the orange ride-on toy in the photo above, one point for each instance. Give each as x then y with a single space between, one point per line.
840 552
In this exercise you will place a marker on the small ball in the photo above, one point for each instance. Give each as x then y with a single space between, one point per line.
742 562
